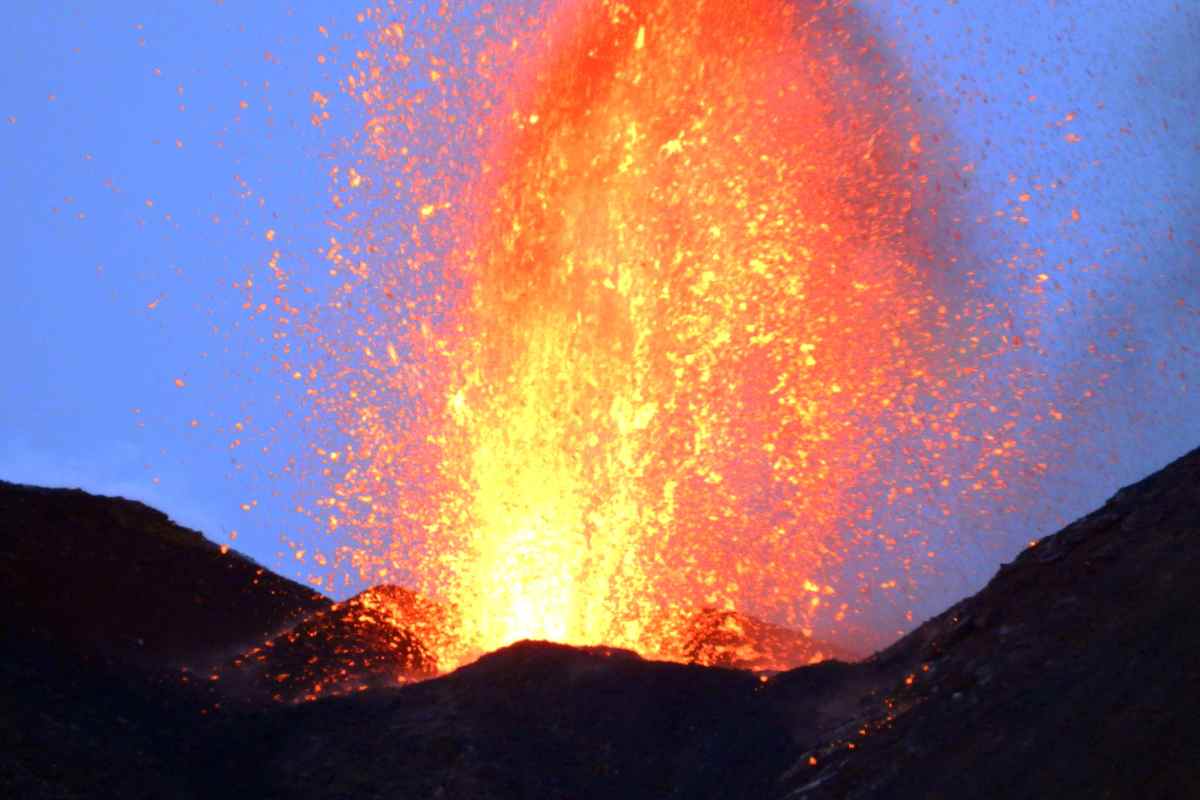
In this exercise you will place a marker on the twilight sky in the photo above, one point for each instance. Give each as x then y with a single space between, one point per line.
152 149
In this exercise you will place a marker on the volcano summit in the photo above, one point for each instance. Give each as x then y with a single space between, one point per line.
1074 673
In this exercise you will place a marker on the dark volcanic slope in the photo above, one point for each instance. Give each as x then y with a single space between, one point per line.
534 720
1074 674
375 639
104 600
116 579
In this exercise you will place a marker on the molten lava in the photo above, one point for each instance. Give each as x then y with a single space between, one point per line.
643 325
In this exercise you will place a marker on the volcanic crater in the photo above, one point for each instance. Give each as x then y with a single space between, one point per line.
142 660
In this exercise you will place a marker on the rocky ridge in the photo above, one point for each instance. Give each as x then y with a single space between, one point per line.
1074 673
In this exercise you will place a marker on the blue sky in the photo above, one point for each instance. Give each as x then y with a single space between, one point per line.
142 181
150 146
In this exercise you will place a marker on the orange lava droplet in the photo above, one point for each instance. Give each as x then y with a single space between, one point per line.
675 301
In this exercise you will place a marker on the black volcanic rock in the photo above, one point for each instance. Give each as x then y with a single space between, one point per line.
375 639
1074 674
717 638
533 720
115 579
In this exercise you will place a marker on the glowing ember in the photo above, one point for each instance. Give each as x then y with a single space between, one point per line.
643 324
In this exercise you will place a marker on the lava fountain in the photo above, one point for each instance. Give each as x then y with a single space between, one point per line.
639 324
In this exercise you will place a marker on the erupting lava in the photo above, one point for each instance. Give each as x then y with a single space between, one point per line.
635 295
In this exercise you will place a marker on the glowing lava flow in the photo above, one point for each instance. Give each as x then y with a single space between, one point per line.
672 306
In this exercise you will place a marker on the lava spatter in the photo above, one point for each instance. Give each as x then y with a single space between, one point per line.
649 305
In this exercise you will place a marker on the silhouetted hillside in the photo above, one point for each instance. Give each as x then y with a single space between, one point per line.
112 578
1074 674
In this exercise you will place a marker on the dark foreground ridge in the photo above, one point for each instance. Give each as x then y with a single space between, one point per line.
124 673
